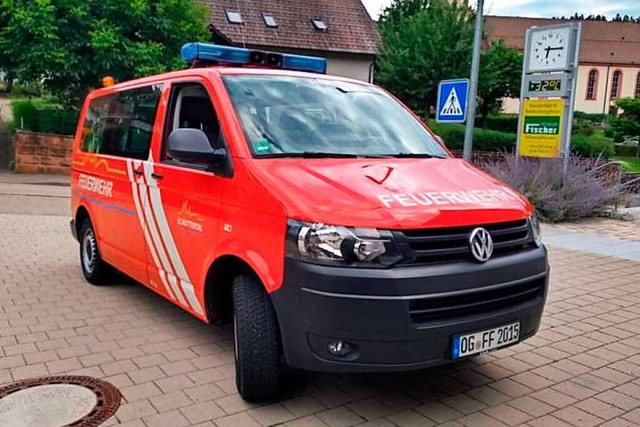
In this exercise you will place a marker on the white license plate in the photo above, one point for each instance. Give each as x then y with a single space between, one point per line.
483 341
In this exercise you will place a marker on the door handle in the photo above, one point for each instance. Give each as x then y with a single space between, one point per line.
157 176
138 171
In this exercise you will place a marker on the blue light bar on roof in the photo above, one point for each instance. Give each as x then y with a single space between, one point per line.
211 54
304 63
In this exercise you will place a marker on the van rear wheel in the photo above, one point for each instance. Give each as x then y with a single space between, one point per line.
257 341
94 268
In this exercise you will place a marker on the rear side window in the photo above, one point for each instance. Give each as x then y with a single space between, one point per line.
121 124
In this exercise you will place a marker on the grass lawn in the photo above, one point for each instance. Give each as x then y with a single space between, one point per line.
630 164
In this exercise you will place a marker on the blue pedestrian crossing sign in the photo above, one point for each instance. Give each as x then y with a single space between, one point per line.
452 101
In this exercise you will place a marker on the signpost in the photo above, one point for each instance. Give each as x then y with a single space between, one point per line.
548 91
452 101
475 72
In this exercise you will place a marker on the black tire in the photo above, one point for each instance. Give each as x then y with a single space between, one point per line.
257 341
95 269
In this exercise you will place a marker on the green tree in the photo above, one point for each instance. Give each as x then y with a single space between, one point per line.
500 76
70 45
399 9
423 42
6 62
628 124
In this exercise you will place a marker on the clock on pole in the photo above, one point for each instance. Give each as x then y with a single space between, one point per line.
547 95
550 48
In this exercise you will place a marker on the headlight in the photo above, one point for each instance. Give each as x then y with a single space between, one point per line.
535 229
337 245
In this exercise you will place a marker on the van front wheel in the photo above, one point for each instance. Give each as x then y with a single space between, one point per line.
257 341
94 268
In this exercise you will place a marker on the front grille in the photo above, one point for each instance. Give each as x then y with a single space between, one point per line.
478 301
451 244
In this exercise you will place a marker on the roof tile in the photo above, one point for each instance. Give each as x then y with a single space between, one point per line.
350 28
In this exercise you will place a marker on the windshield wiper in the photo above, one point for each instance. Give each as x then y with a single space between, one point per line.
322 155
417 156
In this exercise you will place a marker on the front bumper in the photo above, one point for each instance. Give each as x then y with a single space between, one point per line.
403 318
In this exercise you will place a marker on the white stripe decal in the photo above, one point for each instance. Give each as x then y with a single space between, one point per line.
145 229
166 266
157 207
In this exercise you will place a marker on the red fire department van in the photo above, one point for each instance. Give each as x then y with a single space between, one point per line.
315 212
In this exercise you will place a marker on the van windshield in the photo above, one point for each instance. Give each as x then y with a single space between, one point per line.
309 117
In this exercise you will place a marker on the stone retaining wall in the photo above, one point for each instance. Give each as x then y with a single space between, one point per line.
42 153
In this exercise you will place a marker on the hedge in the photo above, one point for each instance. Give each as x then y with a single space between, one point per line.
483 140
609 132
582 127
625 150
25 114
591 146
591 117
488 140
40 116
503 123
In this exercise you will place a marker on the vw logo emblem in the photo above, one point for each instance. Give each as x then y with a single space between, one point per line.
481 244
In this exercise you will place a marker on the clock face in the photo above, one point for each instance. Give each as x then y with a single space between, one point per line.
549 49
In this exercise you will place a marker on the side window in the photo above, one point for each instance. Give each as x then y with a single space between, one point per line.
121 124
191 107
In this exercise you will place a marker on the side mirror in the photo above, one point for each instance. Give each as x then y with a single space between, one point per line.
193 146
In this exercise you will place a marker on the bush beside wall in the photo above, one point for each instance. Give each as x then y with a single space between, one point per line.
41 116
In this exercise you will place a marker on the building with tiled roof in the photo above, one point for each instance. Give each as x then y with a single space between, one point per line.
609 58
340 30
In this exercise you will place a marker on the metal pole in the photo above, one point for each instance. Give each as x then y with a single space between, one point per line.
522 88
473 87
575 61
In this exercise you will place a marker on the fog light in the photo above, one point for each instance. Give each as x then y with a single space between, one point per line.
339 348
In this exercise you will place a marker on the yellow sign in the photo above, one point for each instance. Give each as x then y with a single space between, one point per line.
541 132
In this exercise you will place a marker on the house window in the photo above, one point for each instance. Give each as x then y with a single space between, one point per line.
592 83
319 24
269 20
234 17
638 85
616 83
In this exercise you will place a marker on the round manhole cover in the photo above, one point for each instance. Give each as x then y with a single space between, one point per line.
76 401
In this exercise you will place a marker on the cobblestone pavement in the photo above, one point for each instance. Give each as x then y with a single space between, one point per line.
626 230
582 369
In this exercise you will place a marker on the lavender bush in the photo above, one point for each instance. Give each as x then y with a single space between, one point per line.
586 191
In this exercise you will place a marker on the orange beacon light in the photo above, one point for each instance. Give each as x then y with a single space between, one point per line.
108 81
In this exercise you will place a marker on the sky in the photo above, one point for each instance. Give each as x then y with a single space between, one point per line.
540 8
